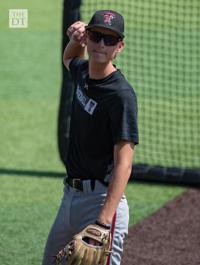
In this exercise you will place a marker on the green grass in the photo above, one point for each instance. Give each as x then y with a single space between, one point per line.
43 17
29 205
144 199
27 210
30 74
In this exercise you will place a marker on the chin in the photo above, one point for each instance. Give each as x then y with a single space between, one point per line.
99 59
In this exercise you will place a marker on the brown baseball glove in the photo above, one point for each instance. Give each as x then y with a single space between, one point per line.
89 247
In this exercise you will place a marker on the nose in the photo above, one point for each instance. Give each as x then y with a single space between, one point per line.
101 43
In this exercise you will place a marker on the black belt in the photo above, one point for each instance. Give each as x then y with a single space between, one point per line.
78 183
75 183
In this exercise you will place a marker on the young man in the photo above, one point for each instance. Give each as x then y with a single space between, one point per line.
103 133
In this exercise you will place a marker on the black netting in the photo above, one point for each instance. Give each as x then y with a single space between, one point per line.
162 62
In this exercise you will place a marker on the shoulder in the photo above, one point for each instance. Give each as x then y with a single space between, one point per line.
124 98
126 95
76 62
124 88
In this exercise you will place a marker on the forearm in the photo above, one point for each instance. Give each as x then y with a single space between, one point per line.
116 189
73 49
76 46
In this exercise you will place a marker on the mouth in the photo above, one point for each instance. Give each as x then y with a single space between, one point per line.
99 52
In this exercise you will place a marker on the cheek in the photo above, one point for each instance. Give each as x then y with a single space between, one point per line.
88 48
112 53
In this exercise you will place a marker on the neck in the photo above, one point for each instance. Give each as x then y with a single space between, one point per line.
99 71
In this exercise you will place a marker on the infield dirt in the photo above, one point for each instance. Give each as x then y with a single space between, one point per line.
170 236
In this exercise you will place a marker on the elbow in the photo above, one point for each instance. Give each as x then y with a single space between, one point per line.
64 59
125 169
66 62
129 170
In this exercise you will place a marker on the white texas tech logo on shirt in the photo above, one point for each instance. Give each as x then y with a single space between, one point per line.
86 103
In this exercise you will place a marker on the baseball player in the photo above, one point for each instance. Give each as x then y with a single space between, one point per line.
103 134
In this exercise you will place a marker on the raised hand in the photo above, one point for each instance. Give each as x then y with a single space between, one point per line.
76 32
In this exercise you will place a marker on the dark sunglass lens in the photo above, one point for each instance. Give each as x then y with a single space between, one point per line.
110 40
95 36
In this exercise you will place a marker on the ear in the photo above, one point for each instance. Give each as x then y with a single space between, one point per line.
119 48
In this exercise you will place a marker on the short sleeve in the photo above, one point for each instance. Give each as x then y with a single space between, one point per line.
75 65
123 117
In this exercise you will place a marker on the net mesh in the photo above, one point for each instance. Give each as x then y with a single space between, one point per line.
162 62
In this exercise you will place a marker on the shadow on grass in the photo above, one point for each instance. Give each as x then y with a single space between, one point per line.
31 173
54 174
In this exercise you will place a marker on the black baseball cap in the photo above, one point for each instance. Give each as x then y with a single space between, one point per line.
108 19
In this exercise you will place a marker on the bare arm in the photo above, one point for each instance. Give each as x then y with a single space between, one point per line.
76 45
123 155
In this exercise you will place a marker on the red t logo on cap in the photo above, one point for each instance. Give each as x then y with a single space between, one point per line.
108 17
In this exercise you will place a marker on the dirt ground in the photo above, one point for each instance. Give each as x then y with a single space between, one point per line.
170 236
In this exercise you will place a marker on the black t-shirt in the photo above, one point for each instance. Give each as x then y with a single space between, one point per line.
104 111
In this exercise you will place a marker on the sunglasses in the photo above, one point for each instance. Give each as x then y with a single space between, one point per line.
109 40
